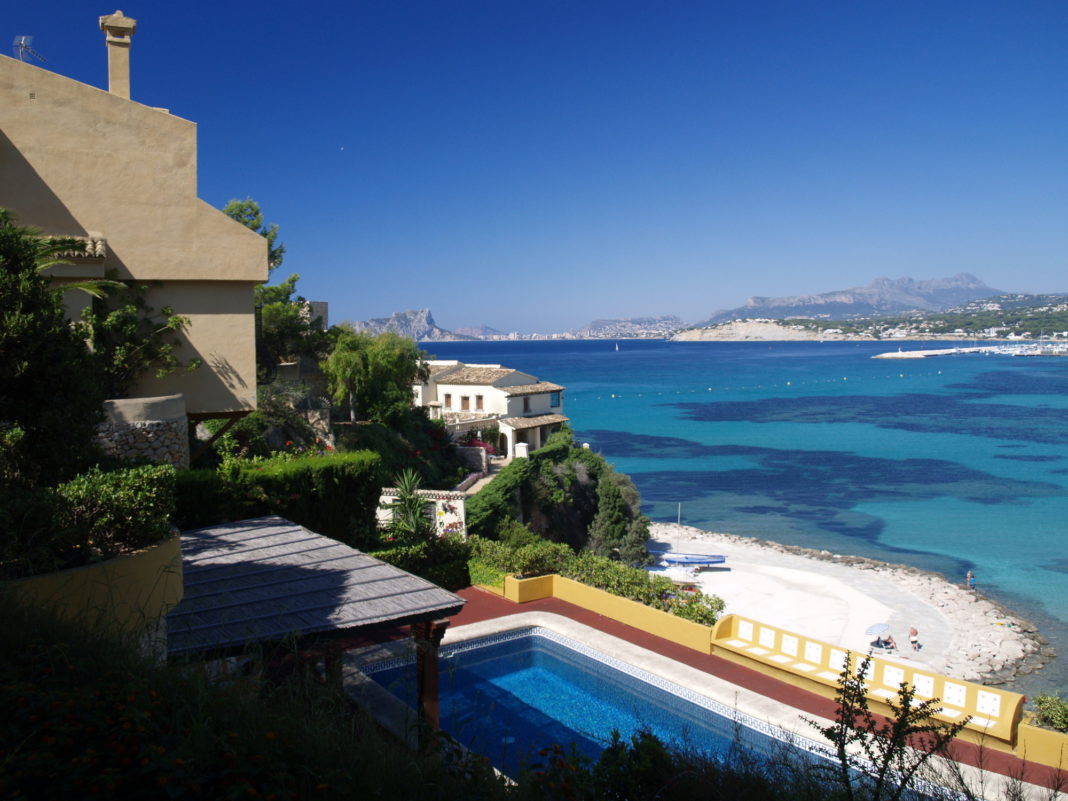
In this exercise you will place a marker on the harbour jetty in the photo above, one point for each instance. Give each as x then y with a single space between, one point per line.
999 350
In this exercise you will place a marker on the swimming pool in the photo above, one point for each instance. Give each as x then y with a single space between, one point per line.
509 695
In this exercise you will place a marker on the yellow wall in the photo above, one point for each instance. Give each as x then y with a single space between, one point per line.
1043 746
995 713
126 593
662 624
76 160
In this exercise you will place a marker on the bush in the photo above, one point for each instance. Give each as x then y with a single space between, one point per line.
440 561
334 495
94 516
544 557
86 719
51 387
497 501
418 443
1052 711
121 511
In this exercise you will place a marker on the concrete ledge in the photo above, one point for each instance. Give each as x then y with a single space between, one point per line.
142 410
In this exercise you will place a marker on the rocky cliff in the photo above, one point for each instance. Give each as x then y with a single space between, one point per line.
417 324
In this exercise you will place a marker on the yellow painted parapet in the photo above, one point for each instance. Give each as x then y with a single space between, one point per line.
1043 746
126 593
995 713
531 589
639 616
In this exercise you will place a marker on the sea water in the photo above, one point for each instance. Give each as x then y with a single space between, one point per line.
948 463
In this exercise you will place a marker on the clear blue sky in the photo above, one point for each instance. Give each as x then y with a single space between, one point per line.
535 164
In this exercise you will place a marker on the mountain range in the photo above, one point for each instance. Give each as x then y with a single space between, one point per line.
883 296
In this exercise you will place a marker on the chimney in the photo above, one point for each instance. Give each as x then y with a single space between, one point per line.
119 28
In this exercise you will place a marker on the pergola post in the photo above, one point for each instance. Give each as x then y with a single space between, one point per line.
427 641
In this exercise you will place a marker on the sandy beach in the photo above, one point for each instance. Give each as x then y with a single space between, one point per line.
835 598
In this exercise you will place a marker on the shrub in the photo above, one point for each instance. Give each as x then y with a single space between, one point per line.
121 511
86 719
544 557
418 443
94 516
38 537
440 561
498 500
334 495
1052 711
51 392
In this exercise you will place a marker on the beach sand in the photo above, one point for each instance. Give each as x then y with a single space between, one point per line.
835 598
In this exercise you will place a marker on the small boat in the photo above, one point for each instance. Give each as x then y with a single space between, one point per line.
693 559
617 347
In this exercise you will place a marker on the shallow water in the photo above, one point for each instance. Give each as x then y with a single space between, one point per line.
948 464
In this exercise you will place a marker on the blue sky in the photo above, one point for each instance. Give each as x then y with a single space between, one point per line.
534 164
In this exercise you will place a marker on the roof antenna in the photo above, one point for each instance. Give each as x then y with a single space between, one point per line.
21 48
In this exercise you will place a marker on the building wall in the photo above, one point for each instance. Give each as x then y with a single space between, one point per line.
539 404
494 400
76 160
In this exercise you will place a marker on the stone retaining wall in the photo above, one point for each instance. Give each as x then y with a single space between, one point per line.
153 429
474 457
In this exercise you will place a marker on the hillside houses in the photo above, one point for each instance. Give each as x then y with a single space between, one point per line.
476 397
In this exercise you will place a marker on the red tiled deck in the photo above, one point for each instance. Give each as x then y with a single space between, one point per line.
482 605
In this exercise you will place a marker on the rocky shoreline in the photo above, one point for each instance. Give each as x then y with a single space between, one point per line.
991 644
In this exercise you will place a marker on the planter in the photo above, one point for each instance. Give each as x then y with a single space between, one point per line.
126 594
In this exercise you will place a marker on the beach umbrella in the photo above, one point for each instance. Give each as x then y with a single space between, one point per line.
877 628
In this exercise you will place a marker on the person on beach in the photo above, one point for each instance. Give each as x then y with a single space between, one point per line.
969 581
914 638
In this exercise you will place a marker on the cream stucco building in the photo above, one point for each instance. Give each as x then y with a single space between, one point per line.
476 396
80 161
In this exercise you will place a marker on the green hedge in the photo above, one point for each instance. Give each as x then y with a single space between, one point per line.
605 574
440 561
335 495
94 516
1052 711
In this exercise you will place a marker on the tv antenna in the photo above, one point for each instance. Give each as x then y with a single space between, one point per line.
21 48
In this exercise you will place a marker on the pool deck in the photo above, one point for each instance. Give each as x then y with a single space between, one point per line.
752 692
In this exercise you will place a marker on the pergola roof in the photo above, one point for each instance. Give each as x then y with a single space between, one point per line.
520 423
268 579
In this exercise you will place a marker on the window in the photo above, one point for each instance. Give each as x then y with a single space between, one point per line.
465 403
448 400
554 400
478 403
526 403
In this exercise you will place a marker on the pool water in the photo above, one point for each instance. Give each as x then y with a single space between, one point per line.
510 695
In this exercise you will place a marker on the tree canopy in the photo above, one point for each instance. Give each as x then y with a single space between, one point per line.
373 375
288 329
51 395
248 213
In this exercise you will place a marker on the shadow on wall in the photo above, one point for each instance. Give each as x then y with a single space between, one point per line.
25 192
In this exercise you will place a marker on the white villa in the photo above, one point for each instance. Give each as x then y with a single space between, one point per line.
477 396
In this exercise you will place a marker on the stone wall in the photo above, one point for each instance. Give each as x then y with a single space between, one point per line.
474 457
155 429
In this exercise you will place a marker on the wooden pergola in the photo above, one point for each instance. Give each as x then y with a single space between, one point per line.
269 581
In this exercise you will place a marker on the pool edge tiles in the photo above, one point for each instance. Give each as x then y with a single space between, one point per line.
711 705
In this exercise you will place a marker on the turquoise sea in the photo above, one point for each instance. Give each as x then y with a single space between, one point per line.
949 464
